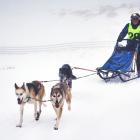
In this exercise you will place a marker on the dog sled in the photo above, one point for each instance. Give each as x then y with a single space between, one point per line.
121 64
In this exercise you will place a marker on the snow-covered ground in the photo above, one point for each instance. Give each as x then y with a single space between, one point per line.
101 111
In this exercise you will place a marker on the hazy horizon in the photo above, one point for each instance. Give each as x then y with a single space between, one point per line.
32 22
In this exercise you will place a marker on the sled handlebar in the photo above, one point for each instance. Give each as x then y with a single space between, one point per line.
137 40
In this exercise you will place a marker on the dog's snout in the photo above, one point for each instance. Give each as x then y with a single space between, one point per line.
57 104
56 101
19 100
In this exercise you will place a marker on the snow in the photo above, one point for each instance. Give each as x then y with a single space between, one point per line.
100 110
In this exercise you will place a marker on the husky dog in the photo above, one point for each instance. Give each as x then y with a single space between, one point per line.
59 93
30 93
66 75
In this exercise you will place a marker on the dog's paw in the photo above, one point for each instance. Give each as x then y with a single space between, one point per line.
55 128
37 116
36 119
19 125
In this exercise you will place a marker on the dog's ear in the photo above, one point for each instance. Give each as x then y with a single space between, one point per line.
51 91
23 86
16 87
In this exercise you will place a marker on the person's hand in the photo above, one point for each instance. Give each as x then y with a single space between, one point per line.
137 40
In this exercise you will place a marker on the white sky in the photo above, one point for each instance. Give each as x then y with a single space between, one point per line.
42 22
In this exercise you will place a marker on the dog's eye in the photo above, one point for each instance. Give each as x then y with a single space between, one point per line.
16 94
54 96
21 94
58 95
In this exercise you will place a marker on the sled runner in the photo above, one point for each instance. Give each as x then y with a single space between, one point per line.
121 64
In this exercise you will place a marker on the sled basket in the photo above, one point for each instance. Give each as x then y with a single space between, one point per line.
121 64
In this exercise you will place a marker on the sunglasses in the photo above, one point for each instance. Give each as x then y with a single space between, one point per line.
134 19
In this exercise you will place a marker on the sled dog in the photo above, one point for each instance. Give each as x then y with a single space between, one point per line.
66 75
59 94
30 93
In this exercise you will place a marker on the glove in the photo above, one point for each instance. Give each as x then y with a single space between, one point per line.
138 40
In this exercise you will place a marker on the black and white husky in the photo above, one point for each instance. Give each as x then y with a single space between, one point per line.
60 93
30 93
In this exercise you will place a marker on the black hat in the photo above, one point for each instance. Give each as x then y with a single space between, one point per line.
135 16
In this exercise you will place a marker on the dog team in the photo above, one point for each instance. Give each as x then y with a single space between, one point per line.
34 92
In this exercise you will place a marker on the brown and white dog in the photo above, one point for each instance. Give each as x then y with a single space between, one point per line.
30 93
59 93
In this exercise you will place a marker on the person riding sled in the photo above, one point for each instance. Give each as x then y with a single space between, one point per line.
132 31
